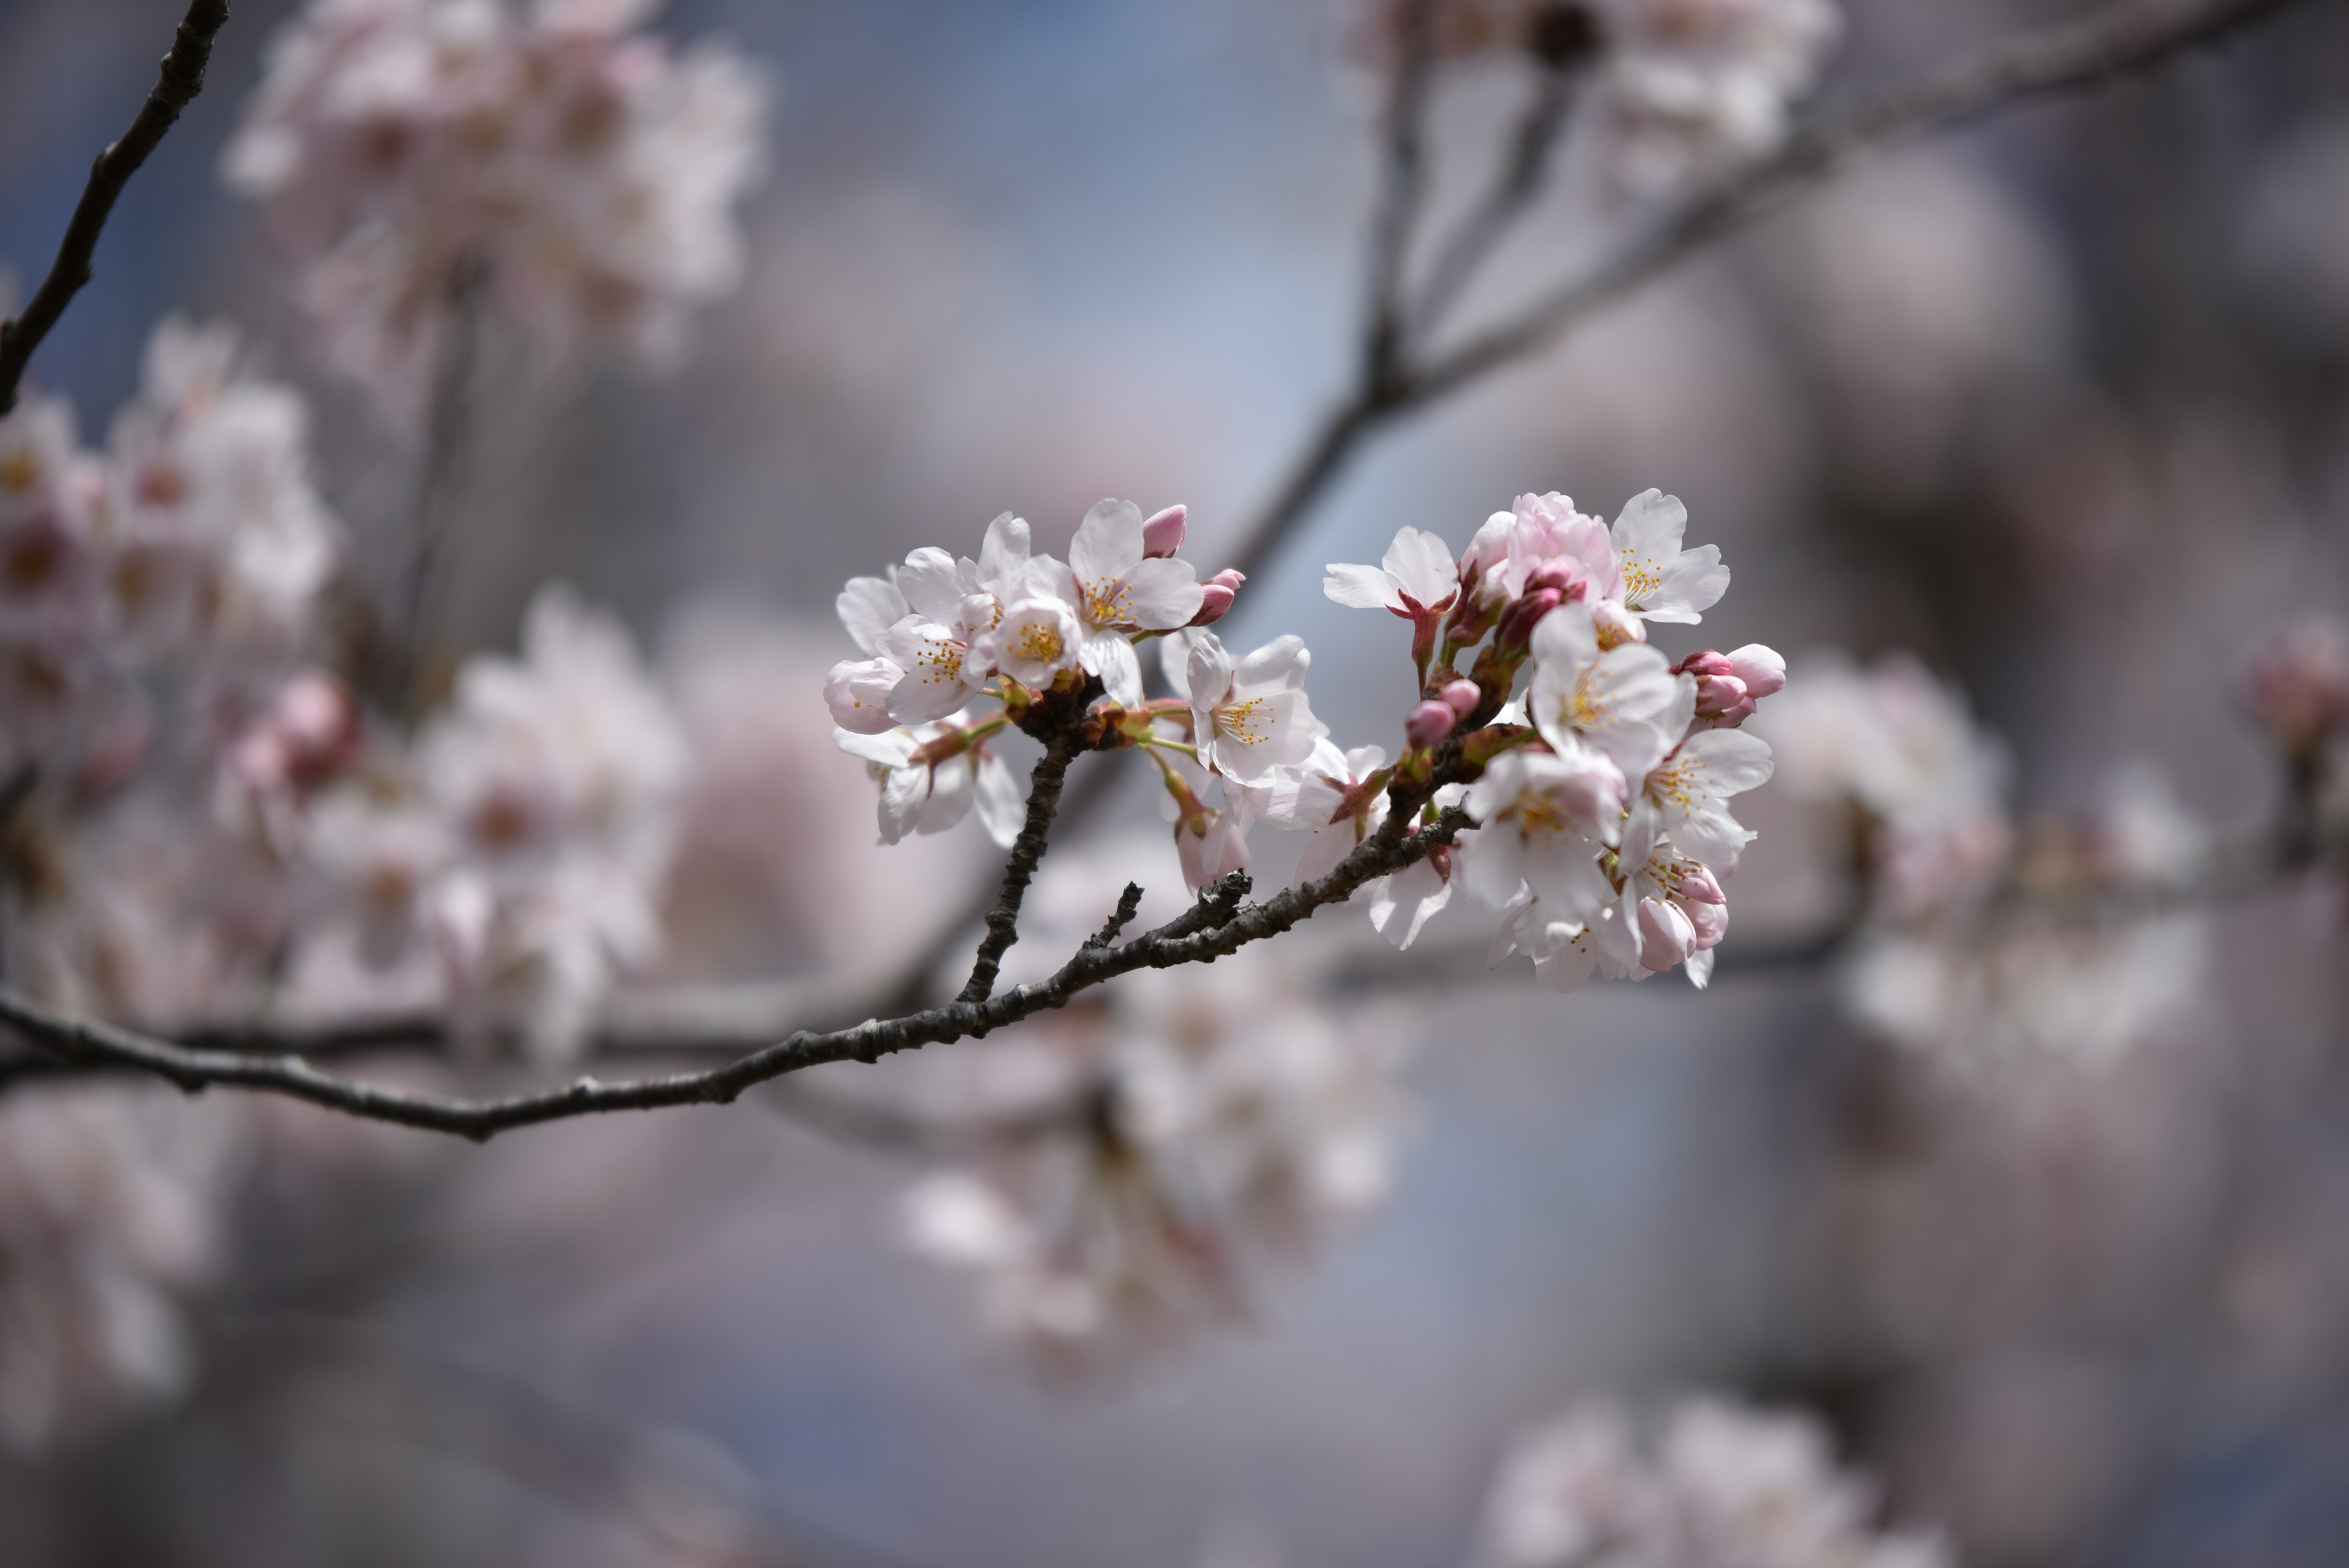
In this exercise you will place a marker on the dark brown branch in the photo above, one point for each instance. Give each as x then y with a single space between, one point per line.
1215 926
176 87
1026 853
2068 57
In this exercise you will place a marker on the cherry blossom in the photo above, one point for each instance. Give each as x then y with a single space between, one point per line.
1252 716
1542 820
2299 684
1624 704
1687 88
1416 580
931 776
1660 581
578 176
1685 799
1116 588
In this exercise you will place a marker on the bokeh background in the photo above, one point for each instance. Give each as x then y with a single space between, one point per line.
2059 403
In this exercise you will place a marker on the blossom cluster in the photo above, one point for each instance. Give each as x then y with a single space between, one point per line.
1917 792
1708 1484
1227 1125
509 860
1603 833
577 170
1602 830
1679 88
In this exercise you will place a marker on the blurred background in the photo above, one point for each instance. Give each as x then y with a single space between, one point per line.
2058 404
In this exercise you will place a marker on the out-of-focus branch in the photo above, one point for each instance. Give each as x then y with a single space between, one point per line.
1402 187
1216 926
2067 57
179 81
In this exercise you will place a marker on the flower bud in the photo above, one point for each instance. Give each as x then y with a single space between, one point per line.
1666 937
1566 576
1762 669
1721 698
1462 696
1216 595
1163 535
1516 631
1429 723
857 692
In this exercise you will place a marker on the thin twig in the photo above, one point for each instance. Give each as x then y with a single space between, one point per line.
1026 853
2068 57
1402 187
176 86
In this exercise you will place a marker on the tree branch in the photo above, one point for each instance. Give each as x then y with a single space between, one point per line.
1402 187
1027 851
2068 57
181 79
1215 926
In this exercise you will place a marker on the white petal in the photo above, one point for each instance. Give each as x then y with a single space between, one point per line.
891 750
1650 525
1003 558
1108 544
931 581
868 607
1565 641
1116 662
903 795
1360 587
1421 566
952 788
1691 583
1491 866
1002 804
1279 665
1166 593
1174 661
1210 671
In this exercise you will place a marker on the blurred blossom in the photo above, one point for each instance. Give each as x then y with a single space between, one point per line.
1899 749
1689 88
2298 685
1926 296
109 1213
1222 1128
580 175
1713 1485
2099 970
522 839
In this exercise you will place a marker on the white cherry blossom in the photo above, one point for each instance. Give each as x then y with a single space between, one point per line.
1116 588
924 791
1687 88
1252 716
1625 704
1542 821
1331 796
1416 580
1663 582
1035 640
1685 799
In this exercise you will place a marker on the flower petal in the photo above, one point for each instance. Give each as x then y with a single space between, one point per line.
1108 544
868 607
1362 587
1166 593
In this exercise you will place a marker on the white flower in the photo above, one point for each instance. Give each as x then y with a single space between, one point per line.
927 788
1625 704
1661 581
1115 590
1677 908
1212 843
1036 640
1542 820
857 692
1567 951
1252 717
868 607
1685 799
1331 796
1416 580
1404 901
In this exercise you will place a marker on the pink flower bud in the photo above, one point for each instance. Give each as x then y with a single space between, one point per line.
1429 723
1163 535
1699 886
1216 595
1709 921
1517 627
1462 696
1566 576
1721 698
1763 669
1666 937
